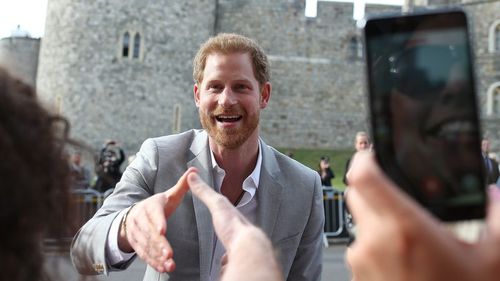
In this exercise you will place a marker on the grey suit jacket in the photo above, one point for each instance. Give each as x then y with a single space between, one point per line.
289 199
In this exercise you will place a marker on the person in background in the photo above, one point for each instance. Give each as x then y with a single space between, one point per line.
35 180
80 174
361 142
108 166
325 171
232 87
490 165
495 157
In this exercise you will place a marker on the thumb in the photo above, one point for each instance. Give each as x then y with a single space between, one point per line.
380 194
494 212
175 194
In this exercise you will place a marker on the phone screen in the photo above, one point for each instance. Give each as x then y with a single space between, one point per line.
423 110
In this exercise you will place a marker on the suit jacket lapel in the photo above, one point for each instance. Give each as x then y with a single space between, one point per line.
269 196
202 162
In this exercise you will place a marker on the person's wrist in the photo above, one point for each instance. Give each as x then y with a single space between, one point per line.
123 243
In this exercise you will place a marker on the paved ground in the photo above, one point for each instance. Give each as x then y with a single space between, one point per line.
334 268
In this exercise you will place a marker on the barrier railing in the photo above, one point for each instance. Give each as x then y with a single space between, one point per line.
88 202
335 216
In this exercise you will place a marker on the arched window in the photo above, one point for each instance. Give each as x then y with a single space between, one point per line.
126 44
494 37
137 45
497 37
493 100
496 102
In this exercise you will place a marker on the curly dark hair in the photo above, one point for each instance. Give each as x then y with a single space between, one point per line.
34 179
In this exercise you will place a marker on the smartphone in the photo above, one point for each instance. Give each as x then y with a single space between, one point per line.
423 110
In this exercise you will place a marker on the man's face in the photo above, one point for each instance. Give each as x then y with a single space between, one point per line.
229 99
485 146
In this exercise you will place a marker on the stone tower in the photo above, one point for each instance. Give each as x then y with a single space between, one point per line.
19 54
122 69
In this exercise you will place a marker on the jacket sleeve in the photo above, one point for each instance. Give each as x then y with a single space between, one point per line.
137 183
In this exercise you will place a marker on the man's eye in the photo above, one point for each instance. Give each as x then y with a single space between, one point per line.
214 88
240 87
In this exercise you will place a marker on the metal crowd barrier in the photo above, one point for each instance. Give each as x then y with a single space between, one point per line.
88 201
335 215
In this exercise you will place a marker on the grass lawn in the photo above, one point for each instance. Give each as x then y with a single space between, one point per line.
310 158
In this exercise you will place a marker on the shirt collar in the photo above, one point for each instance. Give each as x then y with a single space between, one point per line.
254 177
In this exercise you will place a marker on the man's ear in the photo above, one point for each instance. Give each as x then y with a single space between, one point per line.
265 95
196 92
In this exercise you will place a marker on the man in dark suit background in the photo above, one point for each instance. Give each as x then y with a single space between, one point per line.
491 166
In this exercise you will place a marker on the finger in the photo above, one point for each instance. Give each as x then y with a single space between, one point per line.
494 212
379 192
226 219
360 211
175 194
214 201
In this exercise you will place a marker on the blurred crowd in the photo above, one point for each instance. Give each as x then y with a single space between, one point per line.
106 170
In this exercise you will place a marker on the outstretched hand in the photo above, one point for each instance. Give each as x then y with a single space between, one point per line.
145 226
250 255
398 240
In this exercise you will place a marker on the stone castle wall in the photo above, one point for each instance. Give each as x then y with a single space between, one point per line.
483 15
20 56
318 94
318 98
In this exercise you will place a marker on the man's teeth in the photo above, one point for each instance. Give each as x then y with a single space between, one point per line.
228 118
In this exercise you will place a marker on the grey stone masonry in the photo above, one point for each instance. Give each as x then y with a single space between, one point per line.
123 69
20 56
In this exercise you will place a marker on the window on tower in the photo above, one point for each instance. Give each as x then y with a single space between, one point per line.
493 100
355 48
137 45
497 37
494 37
126 44
496 102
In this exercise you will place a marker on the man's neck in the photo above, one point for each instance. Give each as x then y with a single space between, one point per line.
239 161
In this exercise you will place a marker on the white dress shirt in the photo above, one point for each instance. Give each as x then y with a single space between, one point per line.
247 206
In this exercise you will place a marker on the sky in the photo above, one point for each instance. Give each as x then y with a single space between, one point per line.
30 14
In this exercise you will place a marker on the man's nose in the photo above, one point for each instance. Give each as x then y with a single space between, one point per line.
227 98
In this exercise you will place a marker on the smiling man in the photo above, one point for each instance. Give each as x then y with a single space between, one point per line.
175 235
